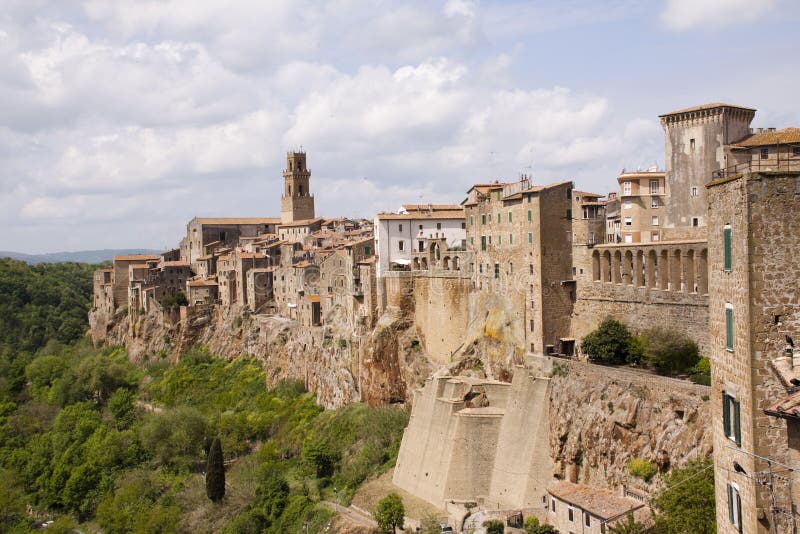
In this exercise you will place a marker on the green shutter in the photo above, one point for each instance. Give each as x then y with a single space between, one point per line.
510 239
530 237
729 328
726 235
509 216
726 414
738 506
483 242
498 218
569 214
737 424
498 195
499 240
530 216
483 219
471 220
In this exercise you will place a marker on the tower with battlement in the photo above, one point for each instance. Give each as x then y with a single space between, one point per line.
297 202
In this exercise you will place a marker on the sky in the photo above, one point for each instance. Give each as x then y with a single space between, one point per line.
122 120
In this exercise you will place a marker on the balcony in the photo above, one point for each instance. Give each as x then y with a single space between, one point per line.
758 165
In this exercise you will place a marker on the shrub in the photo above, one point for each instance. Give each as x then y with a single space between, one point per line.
608 344
494 526
533 526
669 351
701 372
642 469
686 504
342 343
636 350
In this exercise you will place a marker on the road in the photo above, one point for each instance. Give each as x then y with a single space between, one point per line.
355 517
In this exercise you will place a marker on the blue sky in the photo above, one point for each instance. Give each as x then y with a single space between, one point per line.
121 120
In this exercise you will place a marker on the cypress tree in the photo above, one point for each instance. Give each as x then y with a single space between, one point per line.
215 472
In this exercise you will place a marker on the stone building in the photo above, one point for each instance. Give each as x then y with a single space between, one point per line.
297 202
202 291
398 235
521 238
753 222
121 278
641 205
590 510
297 231
204 234
103 291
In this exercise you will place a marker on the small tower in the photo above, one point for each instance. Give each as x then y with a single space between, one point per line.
297 202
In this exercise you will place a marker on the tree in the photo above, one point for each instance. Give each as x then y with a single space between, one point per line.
608 344
686 504
669 351
494 526
215 472
627 526
390 513
533 526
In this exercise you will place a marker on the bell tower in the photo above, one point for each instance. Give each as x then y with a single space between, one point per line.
297 202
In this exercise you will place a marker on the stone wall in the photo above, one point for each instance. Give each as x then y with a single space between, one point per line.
441 313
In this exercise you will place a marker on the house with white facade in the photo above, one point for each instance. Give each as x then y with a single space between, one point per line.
399 234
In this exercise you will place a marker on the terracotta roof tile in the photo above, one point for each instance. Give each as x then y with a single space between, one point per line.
703 107
600 502
136 257
785 136
236 220
787 408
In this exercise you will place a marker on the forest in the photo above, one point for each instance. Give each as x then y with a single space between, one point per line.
92 441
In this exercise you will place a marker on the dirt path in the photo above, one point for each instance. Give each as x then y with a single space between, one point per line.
353 516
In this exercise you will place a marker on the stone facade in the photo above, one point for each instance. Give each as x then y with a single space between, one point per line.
753 303
297 202
641 206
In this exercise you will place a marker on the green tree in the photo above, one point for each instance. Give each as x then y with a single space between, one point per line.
122 405
390 513
686 504
609 343
318 455
669 351
627 526
215 472
494 526
533 526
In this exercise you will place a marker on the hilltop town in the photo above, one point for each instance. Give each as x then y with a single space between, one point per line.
474 313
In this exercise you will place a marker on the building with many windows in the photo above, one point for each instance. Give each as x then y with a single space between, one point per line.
641 205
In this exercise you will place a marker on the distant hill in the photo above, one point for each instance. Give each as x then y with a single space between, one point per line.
81 256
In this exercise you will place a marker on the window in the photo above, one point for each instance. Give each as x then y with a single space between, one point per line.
471 221
694 192
530 237
529 198
498 218
530 215
691 145
628 221
438 226
627 204
483 219
654 236
490 240
497 270
552 502
498 195
510 239
569 214
472 241
587 519
571 515
764 153
530 268
399 227
626 188
500 240
735 507
509 216
654 220
401 245
480 267
731 422
569 193
463 226
695 221
654 202
653 187
420 227
796 151
726 246
511 267
483 242
367 251
729 326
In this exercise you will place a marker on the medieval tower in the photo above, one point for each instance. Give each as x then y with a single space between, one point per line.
297 202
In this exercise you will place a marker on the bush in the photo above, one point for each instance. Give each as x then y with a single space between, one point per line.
215 472
533 526
701 372
494 526
608 344
669 351
687 502
642 469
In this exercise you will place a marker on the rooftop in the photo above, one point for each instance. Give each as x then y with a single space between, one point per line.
775 137
236 220
787 408
704 107
204 282
136 257
603 503
302 222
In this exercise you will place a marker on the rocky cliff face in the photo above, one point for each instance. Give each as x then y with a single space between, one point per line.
601 418
338 362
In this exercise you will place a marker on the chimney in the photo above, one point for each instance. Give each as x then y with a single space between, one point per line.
760 130
751 131
770 129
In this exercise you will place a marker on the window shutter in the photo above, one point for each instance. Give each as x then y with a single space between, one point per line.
731 506
739 512
726 414
729 328
737 423
529 215
726 234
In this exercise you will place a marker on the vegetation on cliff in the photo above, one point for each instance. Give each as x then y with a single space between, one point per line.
88 437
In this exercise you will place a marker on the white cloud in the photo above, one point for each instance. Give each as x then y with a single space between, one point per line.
688 14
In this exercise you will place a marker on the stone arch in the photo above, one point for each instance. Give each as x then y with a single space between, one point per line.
689 275
456 263
616 266
652 259
663 270
627 268
424 263
638 269
415 264
446 263
596 265
437 253
606 266
675 270
702 271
